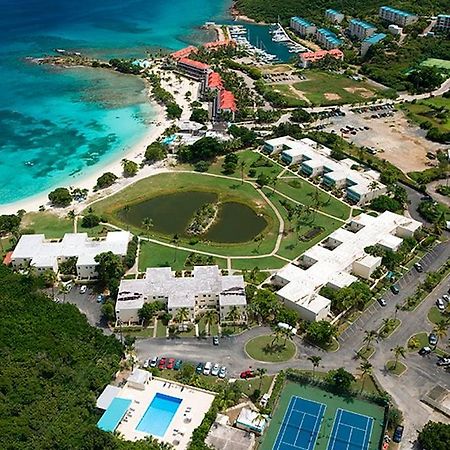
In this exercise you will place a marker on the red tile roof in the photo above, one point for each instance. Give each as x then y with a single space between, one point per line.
184 52
7 259
222 43
227 101
316 56
215 81
192 63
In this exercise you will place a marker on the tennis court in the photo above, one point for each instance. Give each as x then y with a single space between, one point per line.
301 424
351 431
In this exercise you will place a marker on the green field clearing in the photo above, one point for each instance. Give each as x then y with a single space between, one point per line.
291 97
424 111
333 403
268 262
323 88
439 63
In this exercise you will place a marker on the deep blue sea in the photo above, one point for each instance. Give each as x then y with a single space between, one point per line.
58 124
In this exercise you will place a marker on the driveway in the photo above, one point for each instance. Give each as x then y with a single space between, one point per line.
87 304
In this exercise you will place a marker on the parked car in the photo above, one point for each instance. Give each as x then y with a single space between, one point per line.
382 301
145 365
264 400
199 368
178 364
223 372
162 363
398 434
418 267
207 368
432 339
100 298
440 304
446 298
424 351
443 361
216 340
154 361
247 374
83 289
395 289
170 363
215 370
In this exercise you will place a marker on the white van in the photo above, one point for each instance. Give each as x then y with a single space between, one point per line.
207 368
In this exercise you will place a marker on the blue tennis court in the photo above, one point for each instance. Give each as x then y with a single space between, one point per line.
301 424
351 431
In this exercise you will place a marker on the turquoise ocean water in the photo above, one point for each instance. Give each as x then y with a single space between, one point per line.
58 124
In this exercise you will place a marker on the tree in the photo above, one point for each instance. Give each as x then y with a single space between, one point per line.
110 270
230 163
199 115
49 277
148 310
425 79
262 180
69 266
90 221
435 436
242 167
384 203
106 180
108 311
182 315
440 329
366 369
340 380
277 332
147 223
315 361
398 351
209 317
130 168
300 116
369 337
260 372
60 197
264 306
321 332
205 149
176 242
9 223
234 314
64 289
173 110
156 151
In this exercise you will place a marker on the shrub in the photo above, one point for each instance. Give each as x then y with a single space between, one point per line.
106 180
90 221
60 197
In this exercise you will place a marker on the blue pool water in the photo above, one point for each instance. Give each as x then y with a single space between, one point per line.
114 414
169 139
57 124
159 414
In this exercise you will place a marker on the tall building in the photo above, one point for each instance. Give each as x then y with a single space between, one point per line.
193 69
327 39
443 22
361 29
397 16
334 16
371 40
302 26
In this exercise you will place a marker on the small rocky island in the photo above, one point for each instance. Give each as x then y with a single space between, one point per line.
203 218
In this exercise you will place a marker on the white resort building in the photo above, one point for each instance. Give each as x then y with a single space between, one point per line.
338 260
206 289
361 186
46 254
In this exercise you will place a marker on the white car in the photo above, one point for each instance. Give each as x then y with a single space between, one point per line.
440 304
446 298
215 370
264 400
145 365
207 368
83 289
223 372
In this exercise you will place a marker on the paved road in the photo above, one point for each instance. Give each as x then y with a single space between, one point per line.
87 304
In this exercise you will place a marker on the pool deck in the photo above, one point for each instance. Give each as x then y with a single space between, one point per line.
185 420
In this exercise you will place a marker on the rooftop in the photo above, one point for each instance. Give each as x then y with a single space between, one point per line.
227 100
363 24
193 63
375 38
301 21
397 11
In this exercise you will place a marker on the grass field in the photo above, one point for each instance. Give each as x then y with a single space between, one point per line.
292 98
261 349
439 63
268 262
332 402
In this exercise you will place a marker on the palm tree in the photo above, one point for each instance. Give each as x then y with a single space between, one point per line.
234 314
440 329
366 369
64 289
398 351
182 315
210 317
277 331
370 335
397 308
260 372
315 361
242 167
50 279
148 225
287 334
176 241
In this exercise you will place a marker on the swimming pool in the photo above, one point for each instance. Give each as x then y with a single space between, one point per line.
169 139
114 414
159 414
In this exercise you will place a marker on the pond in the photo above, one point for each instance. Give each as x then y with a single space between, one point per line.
172 213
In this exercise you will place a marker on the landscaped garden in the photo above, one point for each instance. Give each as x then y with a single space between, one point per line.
270 348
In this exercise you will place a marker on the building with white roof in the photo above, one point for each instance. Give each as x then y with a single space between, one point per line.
206 289
338 260
361 186
44 254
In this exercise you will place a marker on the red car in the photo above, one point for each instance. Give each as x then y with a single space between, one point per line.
162 363
170 363
247 374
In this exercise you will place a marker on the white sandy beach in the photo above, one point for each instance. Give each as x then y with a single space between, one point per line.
178 87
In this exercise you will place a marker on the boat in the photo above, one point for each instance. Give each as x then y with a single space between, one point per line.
60 50
29 163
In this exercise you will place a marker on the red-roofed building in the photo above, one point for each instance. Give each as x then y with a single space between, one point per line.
215 81
7 259
225 102
184 52
308 58
193 69
217 44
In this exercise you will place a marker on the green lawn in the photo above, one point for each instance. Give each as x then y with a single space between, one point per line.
324 88
262 384
156 255
269 262
262 348
227 190
396 368
424 111
435 316
333 403
160 329
292 100
420 340
213 328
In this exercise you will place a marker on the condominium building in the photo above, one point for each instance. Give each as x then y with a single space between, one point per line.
33 250
308 58
327 39
371 40
334 16
361 29
302 26
443 22
205 289
338 260
183 53
360 186
397 16
193 69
